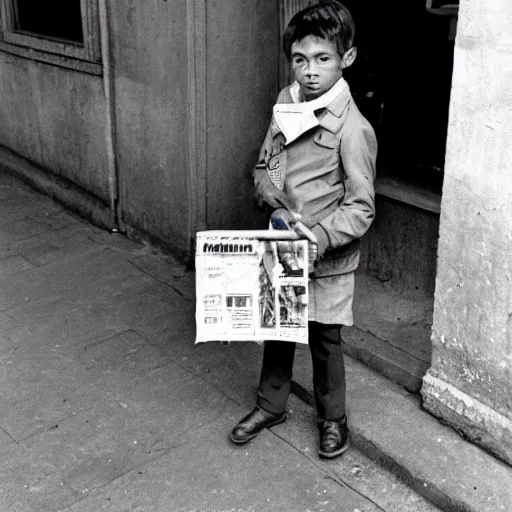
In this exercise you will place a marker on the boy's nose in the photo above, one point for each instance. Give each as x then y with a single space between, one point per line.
312 69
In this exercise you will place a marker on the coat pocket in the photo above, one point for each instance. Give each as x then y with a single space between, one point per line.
326 139
334 266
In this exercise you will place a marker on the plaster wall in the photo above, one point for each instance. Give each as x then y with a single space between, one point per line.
470 382
242 76
150 73
191 86
56 119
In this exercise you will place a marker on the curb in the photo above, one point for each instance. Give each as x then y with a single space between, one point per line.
389 426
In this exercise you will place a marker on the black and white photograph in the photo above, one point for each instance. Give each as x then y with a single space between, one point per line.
255 256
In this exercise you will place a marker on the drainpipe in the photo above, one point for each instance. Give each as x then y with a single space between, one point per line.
110 136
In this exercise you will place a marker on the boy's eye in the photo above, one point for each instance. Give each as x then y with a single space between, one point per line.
324 58
298 60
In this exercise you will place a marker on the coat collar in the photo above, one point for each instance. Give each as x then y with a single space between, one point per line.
328 117
338 106
331 117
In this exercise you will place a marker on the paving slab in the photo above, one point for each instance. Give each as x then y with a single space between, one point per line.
91 317
18 204
165 269
42 386
114 240
211 474
29 484
10 263
107 307
5 438
178 323
15 230
232 368
49 246
53 326
101 444
54 220
81 277
7 324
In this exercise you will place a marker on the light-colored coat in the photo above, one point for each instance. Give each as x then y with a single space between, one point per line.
330 172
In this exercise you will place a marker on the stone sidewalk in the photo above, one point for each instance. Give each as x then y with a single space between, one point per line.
107 404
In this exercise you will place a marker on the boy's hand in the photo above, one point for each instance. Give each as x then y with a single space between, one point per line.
312 257
271 198
306 233
276 198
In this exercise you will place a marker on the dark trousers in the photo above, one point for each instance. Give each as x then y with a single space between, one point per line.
328 372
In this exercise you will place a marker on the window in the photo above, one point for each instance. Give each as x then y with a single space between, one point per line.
60 31
53 19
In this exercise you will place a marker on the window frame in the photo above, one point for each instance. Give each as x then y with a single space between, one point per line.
66 53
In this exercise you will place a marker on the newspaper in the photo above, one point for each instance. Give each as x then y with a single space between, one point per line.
249 289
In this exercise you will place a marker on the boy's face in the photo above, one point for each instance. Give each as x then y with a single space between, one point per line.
316 64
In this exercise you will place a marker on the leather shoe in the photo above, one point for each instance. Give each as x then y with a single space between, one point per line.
333 438
252 424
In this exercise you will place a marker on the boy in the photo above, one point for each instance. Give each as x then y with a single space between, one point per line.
318 156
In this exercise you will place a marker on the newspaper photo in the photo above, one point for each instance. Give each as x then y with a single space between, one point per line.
248 289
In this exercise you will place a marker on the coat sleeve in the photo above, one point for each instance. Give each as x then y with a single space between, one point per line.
351 220
265 189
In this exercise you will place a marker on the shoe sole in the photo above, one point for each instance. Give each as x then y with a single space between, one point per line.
332 455
237 440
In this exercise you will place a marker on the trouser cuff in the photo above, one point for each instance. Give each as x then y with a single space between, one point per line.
269 407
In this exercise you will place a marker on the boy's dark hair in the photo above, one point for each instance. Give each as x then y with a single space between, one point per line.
329 20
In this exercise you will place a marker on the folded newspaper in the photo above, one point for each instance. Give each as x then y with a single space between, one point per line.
251 286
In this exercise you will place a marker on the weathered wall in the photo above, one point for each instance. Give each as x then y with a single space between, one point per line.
400 247
150 70
470 382
192 86
242 85
56 118
394 292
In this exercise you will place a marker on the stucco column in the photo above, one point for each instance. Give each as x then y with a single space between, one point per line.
470 382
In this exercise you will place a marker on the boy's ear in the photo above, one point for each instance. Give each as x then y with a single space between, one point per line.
349 57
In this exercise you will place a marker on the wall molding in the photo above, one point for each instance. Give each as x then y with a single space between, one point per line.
108 86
